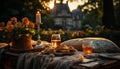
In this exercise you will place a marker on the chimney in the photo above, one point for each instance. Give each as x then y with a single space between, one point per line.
54 2
67 2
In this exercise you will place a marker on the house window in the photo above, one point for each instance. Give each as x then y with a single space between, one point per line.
77 16
64 12
64 22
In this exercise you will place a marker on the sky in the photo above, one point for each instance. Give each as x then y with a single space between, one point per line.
74 5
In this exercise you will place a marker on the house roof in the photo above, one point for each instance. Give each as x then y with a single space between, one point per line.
77 14
61 9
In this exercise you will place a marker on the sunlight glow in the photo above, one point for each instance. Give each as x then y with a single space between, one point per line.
51 5
72 5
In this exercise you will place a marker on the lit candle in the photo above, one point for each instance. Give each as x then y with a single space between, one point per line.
54 45
38 17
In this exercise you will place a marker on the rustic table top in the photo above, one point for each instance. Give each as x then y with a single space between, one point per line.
95 61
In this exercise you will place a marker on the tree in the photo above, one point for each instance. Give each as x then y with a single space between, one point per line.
48 22
92 11
21 8
108 15
117 12
10 8
106 12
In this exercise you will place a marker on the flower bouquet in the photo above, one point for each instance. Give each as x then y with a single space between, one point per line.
20 32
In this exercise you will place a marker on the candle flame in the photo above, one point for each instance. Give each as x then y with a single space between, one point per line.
55 45
38 12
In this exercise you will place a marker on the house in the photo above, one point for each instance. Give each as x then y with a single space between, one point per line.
64 18
77 19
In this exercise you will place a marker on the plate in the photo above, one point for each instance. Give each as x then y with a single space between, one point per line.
115 56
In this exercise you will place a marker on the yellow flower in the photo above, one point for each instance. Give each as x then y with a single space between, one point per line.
26 28
27 34
19 35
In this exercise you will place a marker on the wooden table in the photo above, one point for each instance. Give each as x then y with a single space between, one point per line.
105 64
10 60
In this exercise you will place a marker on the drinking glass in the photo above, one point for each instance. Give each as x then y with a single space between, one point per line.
55 40
87 47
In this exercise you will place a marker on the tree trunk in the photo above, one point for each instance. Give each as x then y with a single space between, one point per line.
108 14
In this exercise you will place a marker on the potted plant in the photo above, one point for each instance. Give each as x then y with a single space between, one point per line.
20 32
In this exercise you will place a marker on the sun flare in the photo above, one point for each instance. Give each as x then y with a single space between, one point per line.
51 5
72 5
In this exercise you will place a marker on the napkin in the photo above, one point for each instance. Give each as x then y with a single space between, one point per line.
65 62
33 61
2 50
115 56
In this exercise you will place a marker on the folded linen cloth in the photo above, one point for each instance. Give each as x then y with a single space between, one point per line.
42 61
33 61
65 62
2 50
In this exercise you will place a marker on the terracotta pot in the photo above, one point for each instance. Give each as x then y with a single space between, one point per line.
23 43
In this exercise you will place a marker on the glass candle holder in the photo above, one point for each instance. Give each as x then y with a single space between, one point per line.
55 40
87 47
